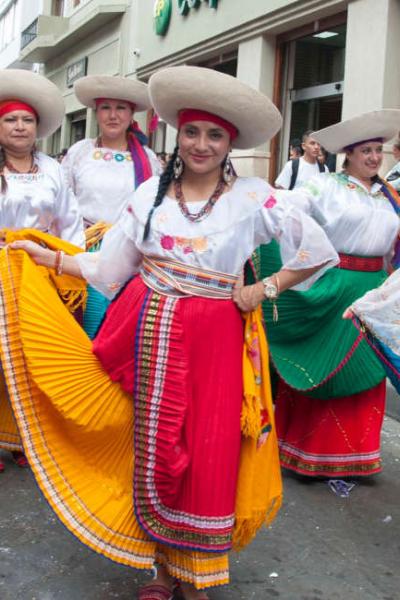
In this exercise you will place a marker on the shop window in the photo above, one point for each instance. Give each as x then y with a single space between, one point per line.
78 127
224 63
55 142
320 58
8 25
310 82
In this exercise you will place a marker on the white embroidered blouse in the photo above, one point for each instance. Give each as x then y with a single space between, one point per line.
356 221
102 179
42 201
243 218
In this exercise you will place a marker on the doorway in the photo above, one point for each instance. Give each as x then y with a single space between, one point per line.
312 83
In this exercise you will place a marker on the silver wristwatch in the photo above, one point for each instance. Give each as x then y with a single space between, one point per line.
271 291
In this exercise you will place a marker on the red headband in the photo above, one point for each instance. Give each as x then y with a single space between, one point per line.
191 114
100 100
7 106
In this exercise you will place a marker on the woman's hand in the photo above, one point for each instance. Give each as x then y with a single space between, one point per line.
348 313
41 256
248 297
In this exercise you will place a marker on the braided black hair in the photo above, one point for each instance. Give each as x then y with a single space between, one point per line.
2 165
165 180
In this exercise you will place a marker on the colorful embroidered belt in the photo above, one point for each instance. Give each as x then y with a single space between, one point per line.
360 263
172 278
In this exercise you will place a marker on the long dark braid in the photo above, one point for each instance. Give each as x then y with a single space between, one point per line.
165 180
2 165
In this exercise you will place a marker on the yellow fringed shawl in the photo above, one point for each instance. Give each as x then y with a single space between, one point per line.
259 491
71 289
95 233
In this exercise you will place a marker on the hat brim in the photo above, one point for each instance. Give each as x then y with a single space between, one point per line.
252 113
383 124
38 92
88 88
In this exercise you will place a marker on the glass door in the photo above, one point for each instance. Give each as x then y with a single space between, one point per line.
313 73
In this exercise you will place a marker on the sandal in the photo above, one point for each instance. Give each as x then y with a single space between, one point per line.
155 592
20 459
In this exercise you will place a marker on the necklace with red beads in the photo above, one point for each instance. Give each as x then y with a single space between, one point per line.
32 169
207 208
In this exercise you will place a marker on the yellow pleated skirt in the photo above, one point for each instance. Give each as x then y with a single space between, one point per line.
9 435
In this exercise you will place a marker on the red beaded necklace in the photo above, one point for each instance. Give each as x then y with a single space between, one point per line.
207 208
32 169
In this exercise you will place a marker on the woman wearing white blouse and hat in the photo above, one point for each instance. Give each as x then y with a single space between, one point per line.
103 171
328 371
33 192
173 338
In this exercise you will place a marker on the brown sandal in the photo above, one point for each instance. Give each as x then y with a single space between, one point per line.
155 592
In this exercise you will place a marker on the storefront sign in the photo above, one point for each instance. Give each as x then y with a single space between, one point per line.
162 15
185 5
76 70
163 10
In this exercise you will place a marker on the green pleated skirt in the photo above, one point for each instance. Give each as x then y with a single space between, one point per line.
312 348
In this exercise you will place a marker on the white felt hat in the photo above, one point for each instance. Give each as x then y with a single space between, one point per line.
252 113
88 88
383 124
38 92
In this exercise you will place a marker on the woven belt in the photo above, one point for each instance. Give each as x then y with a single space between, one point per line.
360 263
173 278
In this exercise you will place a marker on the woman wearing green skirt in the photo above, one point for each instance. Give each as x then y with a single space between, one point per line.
331 392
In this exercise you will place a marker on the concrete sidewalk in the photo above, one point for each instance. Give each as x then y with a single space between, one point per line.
321 547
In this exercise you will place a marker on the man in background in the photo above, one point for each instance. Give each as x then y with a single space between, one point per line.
299 170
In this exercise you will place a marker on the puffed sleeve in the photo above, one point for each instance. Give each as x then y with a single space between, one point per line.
68 222
67 168
303 243
309 198
156 168
118 259
284 177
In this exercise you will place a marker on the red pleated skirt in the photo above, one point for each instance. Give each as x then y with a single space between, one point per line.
181 358
332 438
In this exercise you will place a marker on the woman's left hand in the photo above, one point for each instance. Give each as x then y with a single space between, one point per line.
248 297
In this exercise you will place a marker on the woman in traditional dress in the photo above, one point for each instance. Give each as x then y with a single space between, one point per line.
331 395
173 338
33 191
103 171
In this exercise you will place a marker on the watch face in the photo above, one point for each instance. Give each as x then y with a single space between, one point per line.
270 290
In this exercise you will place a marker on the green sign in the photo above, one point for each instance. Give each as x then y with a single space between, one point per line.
162 16
184 6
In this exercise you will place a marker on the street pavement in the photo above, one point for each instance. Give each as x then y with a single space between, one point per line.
320 547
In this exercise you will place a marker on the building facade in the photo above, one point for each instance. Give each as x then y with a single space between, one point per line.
320 60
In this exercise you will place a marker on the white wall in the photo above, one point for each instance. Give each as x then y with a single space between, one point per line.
372 75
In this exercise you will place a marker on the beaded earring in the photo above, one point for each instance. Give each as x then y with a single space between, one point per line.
227 171
178 167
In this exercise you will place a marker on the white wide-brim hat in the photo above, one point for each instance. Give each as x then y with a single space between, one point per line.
38 92
252 113
88 88
383 124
